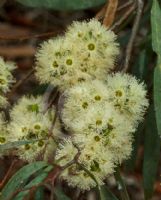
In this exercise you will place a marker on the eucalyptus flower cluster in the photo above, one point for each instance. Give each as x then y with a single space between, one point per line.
97 113
102 115
87 51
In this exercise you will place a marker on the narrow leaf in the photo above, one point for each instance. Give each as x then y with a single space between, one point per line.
37 180
156 44
121 185
151 154
106 194
19 179
156 27
15 144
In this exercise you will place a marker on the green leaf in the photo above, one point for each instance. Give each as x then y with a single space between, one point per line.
11 145
156 27
156 44
121 185
37 180
39 195
130 163
105 194
62 4
60 194
140 67
20 178
151 154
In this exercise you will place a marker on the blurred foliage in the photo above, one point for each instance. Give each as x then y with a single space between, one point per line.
63 4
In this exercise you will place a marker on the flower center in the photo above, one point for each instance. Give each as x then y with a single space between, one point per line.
37 127
97 98
69 62
40 143
27 146
2 140
55 64
97 138
118 93
63 70
91 47
2 81
33 108
85 105
98 122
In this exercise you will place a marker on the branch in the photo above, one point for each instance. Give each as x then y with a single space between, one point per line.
110 13
20 82
101 13
128 3
74 161
22 38
123 18
46 97
135 28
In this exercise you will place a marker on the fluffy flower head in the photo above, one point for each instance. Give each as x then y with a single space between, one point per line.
77 57
87 110
127 95
97 46
28 122
94 157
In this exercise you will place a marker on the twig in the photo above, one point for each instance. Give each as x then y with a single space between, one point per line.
7 174
123 18
101 13
140 5
52 191
128 3
75 159
110 12
20 82
50 135
22 38
53 98
46 96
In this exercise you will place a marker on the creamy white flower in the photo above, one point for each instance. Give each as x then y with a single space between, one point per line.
27 104
68 60
28 122
80 103
96 46
83 113
94 157
57 63
128 96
